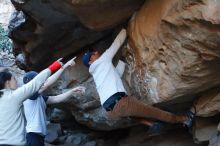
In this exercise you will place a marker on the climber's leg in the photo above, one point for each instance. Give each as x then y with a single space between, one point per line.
131 107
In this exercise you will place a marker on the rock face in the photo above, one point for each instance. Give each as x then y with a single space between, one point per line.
204 129
7 62
6 10
208 104
61 28
215 141
174 49
104 14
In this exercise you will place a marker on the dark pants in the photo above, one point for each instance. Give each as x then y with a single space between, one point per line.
111 101
34 139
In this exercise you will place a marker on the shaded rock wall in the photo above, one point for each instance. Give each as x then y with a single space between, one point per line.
56 28
208 103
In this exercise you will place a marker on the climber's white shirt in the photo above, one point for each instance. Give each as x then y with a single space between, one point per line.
12 122
35 114
105 75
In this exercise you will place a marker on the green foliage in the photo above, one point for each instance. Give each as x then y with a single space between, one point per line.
5 43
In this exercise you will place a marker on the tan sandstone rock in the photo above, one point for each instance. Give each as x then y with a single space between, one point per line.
174 49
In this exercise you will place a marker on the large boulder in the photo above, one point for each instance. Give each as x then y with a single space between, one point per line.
59 28
174 49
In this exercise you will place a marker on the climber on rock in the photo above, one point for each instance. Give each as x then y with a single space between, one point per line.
35 105
12 122
112 93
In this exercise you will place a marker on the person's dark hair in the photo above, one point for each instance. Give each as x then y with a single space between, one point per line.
29 76
101 46
4 76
